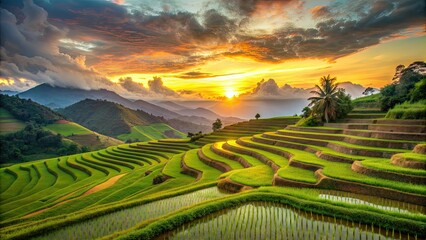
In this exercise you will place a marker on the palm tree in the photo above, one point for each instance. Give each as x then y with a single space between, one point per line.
326 99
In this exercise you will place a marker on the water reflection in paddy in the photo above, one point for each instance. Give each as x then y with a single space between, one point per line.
377 202
266 220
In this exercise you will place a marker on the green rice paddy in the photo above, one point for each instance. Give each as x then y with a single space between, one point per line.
166 189
273 221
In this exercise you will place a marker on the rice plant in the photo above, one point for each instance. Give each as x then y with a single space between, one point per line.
266 220
127 218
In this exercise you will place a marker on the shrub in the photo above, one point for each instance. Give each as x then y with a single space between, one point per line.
310 121
408 111
419 91
344 104
306 112
371 101
196 136
159 179
217 125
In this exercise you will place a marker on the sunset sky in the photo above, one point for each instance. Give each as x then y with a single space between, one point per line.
206 49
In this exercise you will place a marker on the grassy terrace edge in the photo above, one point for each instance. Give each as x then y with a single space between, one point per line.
151 230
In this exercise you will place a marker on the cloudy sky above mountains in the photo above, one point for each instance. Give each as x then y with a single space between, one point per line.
206 48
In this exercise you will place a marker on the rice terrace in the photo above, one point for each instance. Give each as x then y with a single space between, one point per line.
199 119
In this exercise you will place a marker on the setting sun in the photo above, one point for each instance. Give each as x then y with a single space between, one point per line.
230 93
181 109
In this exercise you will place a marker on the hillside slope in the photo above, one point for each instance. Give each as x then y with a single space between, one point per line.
28 111
8 123
32 131
108 118
81 135
116 120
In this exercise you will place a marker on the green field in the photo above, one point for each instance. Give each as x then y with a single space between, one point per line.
152 132
8 123
262 179
408 111
371 101
68 129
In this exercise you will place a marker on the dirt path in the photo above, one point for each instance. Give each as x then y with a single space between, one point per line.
103 185
96 188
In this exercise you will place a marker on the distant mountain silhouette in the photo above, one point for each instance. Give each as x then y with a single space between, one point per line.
267 108
199 115
8 92
172 106
58 97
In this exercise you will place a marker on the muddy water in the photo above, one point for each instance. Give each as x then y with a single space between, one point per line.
274 221
376 202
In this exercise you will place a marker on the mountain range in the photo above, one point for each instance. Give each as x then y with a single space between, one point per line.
59 97
268 99
122 121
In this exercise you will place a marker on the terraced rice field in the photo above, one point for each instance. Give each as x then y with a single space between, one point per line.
247 128
127 218
362 178
152 132
272 221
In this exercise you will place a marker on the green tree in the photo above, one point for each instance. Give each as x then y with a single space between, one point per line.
257 116
85 149
217 125
344 104
419 91
72 148
399 91
368 91
326 99
306 112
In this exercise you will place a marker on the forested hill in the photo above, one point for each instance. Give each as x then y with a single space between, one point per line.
28 111
108 118
24 135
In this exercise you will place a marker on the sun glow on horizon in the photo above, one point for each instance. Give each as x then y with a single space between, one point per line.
231 93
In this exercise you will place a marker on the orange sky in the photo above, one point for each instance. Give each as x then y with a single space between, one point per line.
373 66
192 48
